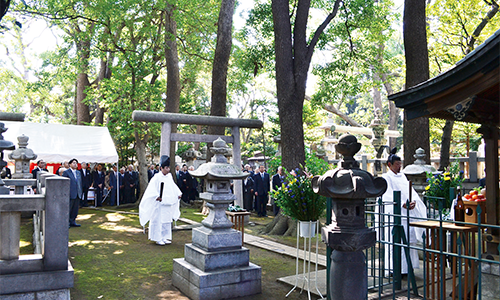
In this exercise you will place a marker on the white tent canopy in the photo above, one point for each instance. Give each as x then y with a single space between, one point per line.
55 143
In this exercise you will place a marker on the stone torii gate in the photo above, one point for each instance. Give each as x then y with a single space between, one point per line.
167 119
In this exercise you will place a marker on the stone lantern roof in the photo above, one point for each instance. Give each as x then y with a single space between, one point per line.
220 169
348 181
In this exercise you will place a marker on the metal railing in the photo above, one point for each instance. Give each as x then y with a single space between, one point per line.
452 264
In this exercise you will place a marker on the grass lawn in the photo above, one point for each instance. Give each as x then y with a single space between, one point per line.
113 259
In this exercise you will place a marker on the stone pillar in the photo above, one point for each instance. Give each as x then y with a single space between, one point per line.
238 184
347 236
55 251
216 266
166 130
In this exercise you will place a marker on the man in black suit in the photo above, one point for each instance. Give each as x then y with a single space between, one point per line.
185 183
75 191
248 193
178 175
115 180
98 182
261 189
86 183
40 166
121 181
129 182
278 180
151 172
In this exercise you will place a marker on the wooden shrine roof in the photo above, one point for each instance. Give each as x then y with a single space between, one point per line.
467 92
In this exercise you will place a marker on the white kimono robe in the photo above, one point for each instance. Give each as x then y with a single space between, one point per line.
160 214
399 182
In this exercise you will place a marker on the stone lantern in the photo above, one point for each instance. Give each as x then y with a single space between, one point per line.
347 235
190 155
277 140
216 266
22 156
378 141
416 172
4 145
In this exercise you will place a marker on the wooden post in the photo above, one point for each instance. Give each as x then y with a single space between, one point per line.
473 166
490 135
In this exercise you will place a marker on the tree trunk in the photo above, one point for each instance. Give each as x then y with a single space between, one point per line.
219 68
140 148
83 53
82 109
281 225
416 131
444 159
104 72
221 61
290 102
173 78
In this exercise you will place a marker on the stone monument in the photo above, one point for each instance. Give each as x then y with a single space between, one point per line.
216 266
347 187
22 156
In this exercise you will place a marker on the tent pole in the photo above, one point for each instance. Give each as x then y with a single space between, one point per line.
118 183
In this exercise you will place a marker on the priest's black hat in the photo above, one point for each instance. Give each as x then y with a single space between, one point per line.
393 157
164 161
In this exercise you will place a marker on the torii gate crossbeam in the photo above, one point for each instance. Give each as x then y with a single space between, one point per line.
167 136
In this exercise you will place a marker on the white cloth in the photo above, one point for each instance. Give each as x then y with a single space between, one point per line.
157 213
399 182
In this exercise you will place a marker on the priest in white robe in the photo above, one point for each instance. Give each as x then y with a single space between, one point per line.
397 181
160 204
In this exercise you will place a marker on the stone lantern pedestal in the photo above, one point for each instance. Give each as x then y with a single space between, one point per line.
216 266
416 172
347 236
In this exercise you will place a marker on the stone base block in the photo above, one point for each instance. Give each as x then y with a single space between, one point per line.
36 282
42 295
216 240
490 281
216 260
214 285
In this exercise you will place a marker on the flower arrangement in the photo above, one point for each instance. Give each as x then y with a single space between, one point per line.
297 199
439 184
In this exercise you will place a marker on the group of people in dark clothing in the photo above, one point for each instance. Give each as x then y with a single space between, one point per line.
103 183
187 183
256 188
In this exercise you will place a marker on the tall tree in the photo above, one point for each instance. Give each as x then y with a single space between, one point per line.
173 80
220 64
293 52
416 131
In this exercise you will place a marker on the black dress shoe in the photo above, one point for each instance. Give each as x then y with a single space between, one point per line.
75 225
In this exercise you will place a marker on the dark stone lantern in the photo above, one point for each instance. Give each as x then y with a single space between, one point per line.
347 235
4 145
